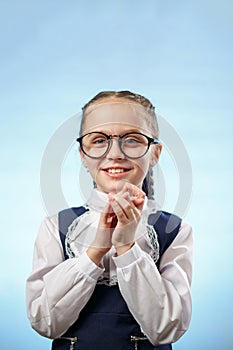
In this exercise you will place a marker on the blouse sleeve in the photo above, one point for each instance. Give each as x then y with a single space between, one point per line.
159 300
57 289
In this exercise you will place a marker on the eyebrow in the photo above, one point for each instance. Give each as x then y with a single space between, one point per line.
124 131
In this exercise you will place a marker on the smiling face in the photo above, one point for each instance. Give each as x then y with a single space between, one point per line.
117 117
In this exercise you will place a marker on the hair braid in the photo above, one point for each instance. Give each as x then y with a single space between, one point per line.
148 184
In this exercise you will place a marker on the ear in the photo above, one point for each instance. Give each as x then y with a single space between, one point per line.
156 150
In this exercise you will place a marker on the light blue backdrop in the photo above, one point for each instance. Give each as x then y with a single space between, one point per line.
56 55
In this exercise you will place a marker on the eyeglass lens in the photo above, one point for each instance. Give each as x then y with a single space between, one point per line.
133 145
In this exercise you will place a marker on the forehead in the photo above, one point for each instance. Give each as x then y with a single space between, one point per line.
116 114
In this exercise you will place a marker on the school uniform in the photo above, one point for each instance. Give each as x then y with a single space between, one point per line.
141 298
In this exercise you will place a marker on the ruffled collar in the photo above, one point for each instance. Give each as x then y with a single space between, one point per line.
97 200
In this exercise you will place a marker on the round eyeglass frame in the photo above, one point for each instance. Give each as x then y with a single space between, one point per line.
109 138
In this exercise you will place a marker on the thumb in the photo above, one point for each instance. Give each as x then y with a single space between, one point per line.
138 202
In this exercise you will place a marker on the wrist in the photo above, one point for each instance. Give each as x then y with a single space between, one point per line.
96 255
123 248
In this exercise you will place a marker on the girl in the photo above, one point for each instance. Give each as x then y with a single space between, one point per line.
116 272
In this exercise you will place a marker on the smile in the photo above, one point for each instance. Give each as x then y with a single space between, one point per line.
116 170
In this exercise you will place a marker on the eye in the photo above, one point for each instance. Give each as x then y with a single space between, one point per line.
130 140
134 140
98 141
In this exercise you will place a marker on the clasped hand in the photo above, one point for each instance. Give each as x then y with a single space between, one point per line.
118 222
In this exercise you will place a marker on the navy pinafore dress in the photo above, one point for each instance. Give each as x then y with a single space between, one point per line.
105 323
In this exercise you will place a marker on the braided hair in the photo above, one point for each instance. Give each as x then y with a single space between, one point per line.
148 182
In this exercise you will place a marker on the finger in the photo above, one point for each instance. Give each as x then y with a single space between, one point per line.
138 196
127 204
107 209
118 209
139 202
124 209
106 216
136 203
135 192
123 200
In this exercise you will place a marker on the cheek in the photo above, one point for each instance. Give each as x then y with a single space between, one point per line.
94 165
82 156
143 165
91 164
155 152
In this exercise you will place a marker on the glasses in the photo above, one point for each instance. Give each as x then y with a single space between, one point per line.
133 144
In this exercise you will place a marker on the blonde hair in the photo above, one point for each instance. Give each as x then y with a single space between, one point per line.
148 182
130 96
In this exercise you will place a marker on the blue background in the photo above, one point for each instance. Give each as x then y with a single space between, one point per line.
55 56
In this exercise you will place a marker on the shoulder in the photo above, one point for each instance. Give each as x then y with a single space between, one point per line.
48 231
165 222
185 232
50 223
67 216
55 223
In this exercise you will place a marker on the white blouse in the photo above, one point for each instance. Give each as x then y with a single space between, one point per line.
58 289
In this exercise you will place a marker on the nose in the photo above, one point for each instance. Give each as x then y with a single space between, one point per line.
114 150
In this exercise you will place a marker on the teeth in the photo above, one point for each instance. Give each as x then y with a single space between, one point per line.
115 171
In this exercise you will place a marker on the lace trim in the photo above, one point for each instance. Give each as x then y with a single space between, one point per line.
113 281
154 242
69 239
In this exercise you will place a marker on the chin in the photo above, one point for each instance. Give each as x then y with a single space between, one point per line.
115 186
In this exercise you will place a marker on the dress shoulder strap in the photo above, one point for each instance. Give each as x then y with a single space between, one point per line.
166 226
65 219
